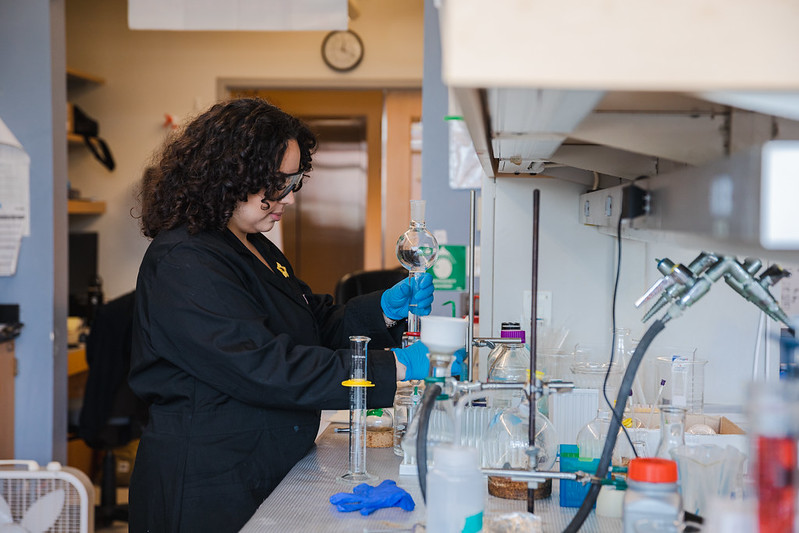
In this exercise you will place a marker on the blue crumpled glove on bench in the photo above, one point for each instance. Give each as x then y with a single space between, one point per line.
367 499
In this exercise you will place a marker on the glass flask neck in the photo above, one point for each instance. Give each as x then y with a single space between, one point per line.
417 213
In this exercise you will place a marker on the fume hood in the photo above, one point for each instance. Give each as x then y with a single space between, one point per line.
688 94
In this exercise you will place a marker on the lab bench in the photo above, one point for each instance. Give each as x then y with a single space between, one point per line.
300 503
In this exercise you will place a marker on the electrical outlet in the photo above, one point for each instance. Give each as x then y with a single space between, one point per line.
544 305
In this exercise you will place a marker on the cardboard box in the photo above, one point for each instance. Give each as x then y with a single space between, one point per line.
728 433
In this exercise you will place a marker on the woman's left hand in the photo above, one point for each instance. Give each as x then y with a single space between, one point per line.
396 300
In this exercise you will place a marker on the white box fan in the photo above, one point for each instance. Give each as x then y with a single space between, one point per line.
55 499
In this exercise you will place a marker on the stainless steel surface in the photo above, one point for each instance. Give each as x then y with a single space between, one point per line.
301 502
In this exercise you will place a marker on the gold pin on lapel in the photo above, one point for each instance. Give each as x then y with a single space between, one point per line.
282 270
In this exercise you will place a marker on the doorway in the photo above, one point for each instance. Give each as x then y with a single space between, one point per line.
363 170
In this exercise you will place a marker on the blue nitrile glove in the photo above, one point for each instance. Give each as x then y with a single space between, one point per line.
416 360
395 301
367 499
458 368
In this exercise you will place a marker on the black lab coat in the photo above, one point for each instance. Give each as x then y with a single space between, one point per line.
236 361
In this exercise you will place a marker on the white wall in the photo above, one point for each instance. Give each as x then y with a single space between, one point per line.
150 73
577 265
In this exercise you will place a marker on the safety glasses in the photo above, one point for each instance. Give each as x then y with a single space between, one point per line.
294 184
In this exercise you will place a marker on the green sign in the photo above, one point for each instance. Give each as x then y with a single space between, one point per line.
449 272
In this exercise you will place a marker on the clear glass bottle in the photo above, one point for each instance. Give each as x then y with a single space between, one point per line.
379 428
406 402
508 363
417 250
672 430
440 428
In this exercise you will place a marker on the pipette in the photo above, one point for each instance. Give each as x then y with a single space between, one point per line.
657 402
357 383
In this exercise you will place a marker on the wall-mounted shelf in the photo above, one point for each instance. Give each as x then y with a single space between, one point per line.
85 207
77 76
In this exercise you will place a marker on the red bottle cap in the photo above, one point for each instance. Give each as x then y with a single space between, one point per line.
652 470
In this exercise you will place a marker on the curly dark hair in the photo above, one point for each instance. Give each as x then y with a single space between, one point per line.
227 153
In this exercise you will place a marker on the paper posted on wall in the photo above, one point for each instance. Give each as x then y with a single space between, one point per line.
465 170
14 199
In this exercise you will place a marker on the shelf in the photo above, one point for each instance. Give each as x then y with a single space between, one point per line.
85 207
74 75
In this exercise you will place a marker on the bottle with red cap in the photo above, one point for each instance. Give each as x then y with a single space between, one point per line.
652 501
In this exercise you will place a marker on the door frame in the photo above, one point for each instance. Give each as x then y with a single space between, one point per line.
388 189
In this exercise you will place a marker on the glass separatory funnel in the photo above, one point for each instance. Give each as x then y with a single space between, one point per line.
357 383
417 250
506 445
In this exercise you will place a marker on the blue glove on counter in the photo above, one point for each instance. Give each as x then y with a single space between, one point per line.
395 301
367 499
416 360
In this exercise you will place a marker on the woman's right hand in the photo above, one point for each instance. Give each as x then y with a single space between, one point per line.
396 300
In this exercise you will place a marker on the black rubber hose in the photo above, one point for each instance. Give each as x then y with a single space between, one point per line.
431 392
621 401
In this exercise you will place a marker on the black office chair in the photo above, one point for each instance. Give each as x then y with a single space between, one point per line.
366 281
111 415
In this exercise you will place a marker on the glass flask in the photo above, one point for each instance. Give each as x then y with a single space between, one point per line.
379 428
592 436
623 453
508 436
672 430
417 250
509 363
406 402
440 430
505 446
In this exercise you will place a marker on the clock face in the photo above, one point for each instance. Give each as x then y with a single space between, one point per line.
342 50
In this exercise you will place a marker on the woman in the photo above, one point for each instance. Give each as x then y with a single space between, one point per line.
234 354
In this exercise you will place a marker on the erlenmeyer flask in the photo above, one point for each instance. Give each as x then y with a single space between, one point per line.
672 430
592 436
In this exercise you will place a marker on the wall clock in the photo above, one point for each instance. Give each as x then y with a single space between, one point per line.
342 50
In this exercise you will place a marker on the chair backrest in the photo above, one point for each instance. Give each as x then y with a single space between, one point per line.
111 415
366 281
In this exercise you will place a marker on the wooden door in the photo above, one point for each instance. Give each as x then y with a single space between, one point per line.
7 374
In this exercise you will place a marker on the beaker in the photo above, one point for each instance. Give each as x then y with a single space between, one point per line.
356 473
417 250
684 379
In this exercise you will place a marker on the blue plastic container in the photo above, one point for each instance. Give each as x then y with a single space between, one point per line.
572 493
